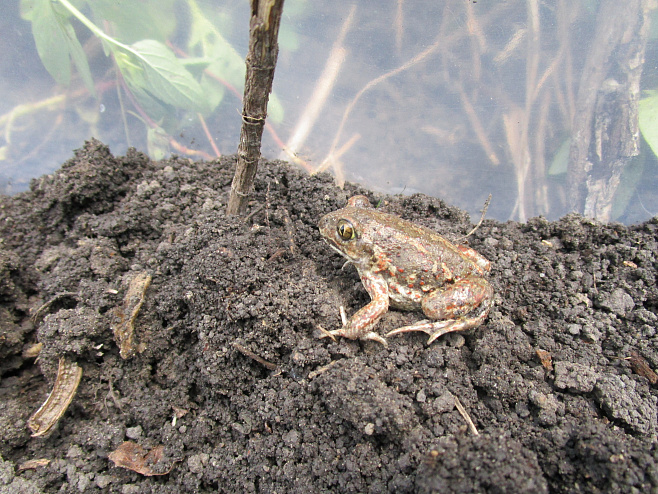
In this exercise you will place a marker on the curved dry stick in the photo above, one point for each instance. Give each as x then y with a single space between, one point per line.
340 176
441 41
208 135
465 415
484 213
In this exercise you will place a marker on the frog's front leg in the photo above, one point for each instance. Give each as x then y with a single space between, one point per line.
360 324
463 305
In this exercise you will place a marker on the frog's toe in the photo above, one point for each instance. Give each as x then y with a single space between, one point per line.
425 326
432 328
329 334
374 337
341 332
451 326
440 332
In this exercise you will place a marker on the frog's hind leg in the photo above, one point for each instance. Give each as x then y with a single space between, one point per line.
438 328
463 305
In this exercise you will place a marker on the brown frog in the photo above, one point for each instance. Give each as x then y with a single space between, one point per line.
408 267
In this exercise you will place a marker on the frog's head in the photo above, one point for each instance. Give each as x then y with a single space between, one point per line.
345 231
341 234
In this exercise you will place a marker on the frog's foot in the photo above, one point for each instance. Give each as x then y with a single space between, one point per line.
328 334
439 328
374 337
342 332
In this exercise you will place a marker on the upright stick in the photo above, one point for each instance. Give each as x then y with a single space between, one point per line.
261 61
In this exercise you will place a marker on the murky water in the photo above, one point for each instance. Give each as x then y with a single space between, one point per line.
454 99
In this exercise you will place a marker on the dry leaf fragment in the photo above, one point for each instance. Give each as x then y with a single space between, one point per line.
33 351
641 367
59 399
33 464
545 359
134 457
124 331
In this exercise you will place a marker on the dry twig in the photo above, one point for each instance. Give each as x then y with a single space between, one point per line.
323 87
252 355
261 62
484 213
466 416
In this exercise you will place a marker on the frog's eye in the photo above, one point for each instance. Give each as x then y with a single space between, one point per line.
345 230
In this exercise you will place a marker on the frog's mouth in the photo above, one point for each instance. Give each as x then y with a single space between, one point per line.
336 249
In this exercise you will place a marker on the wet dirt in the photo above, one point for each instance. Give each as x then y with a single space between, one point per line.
552 381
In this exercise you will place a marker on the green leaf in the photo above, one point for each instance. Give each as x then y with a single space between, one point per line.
653 29
157 142
28 9
648 119
288 39
56 42
560 159
151 66
205 38
213 89
51 46
154 108
630 178
198 63
275 109
229 69
79 58
137 19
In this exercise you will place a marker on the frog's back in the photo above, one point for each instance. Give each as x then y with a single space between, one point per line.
413 250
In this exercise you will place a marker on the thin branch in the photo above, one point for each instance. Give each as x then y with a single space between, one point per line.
466 416
252 355
261 62
484 213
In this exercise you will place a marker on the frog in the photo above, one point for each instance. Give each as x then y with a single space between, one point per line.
407 267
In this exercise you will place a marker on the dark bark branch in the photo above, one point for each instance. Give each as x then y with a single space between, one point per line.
605 132
261 61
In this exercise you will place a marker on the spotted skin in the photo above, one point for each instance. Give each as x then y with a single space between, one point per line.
407 267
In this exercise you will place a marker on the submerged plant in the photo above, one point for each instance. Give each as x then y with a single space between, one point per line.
160 79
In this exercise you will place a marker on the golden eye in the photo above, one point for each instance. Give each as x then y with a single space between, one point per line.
345 230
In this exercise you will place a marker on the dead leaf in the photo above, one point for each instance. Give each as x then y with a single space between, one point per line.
545 359
124 330
134 457
66 384
641 367
33 464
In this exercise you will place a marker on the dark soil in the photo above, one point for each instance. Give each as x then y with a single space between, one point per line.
548 380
